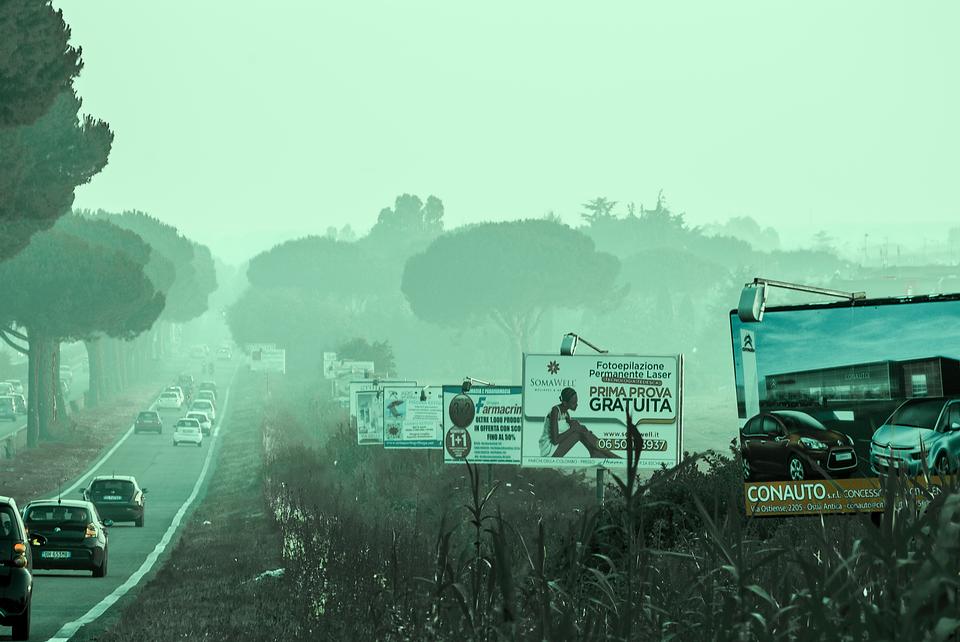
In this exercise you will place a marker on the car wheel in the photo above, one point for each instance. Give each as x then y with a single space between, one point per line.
139 521
942 466
101 571
747 473
21 625
796 469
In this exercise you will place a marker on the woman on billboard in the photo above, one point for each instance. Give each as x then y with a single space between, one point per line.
557 443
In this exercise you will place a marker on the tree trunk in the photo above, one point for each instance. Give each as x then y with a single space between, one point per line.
95 388
59 402
43 348
33 397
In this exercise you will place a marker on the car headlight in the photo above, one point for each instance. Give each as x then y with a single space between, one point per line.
812 444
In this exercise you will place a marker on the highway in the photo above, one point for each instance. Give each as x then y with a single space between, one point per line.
65 600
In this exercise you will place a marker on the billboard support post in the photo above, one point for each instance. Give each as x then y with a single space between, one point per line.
600 486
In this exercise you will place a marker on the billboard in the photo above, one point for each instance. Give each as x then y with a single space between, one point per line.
369 417
848 391
412 417
355 387
263 359
575 409
482 425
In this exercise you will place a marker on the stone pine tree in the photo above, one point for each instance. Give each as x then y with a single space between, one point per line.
37 62
65 288
508 273
40 166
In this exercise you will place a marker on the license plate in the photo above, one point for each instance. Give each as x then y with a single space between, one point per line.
112 497
55 554
844 456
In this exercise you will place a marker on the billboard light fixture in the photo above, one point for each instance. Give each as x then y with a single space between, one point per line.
753 297
469 381
568 345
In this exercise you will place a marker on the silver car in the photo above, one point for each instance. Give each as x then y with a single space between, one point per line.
920 430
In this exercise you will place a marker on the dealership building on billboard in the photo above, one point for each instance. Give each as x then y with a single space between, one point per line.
877 381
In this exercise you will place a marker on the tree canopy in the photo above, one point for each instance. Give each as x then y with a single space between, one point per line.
37 62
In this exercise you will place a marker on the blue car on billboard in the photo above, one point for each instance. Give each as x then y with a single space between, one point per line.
921 432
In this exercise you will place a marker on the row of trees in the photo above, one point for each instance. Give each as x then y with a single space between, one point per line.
101 278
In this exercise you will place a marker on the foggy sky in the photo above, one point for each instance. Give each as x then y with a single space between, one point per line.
244 123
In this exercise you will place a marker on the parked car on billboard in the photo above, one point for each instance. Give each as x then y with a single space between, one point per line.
920 433
792 445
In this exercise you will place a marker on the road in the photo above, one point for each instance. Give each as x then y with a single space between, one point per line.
62 599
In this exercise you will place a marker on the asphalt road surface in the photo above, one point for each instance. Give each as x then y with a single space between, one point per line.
64 600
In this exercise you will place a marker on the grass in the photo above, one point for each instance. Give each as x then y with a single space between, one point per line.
208 587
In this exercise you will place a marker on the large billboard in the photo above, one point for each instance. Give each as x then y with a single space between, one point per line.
575 409
482 425
849 391
361 385
412 417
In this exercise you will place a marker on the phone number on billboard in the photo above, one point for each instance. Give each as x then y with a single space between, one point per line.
621 444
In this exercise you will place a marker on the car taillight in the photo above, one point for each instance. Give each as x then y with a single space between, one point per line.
20 555
20 548
91 531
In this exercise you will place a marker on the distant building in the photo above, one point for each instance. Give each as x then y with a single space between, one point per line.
876 381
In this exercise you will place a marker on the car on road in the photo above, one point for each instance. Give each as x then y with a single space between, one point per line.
16 570
209 395
6 388
205 424
187 431
73 535
208 385
8 408
17 385
117 497
204 405
148 421
20 402
170 400
199 351
921 432
792 445
178 390
224 354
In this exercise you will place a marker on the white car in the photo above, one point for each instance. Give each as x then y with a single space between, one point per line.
203 405
170 400
6 388
209 395
17 385
205 424
187 431
178 390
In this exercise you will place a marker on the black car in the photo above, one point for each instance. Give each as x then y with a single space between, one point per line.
16 570
74 535
117 497
148 420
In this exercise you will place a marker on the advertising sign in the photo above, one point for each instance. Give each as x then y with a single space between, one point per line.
268 360
815 497
483 425
369 417
355 387
575 409
412 417
850 391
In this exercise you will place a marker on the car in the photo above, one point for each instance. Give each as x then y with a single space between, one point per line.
117 497
16 570
187 431
224 354
66 374
209 395
73 535
178 390
148 421
921 432
170 400
792 445
208 385
199 352
202 418
17 385
203 405
6 388
8 408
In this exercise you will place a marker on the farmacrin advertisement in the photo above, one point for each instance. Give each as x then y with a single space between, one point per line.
482 425
848 391
575 409
412 417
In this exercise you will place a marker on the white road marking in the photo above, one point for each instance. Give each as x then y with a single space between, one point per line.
69 629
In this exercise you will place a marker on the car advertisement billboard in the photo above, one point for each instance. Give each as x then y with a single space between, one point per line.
412 417
575 409
482 425
849 392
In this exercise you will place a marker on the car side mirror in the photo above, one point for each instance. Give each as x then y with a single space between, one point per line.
83 493
107 522
38 540
143 490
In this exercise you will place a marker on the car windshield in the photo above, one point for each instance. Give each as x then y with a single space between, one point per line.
188 423
917 414
119 487
202 405
198 416
169 395
148 416
57 514
8 523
